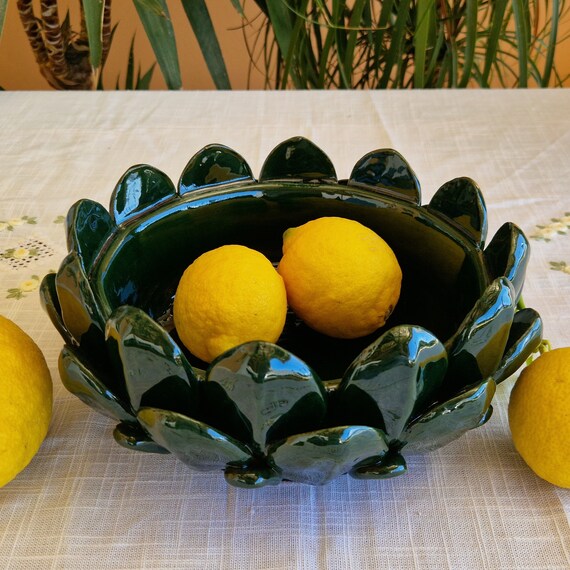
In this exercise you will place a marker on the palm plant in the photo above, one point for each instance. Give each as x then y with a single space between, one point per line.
406 43
71 59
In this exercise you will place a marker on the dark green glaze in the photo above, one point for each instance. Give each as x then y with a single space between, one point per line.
261 393
212 166
50 304
320 456
447 421
475 352
393 379
198 445
81 313
508 254
91 385
263 414
252 475
297 158
387 169
141 187
390 465
132 436
524 337
88 225
156 371
460 200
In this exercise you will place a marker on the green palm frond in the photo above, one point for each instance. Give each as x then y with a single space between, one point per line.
407 43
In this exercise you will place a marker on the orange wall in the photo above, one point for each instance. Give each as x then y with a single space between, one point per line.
18 69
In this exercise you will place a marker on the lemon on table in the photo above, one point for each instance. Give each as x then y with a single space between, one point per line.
539 416
25 399
342 278
228 296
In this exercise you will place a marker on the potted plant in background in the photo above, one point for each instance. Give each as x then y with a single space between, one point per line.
321 44
308 44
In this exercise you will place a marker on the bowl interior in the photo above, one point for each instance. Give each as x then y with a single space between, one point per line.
443 272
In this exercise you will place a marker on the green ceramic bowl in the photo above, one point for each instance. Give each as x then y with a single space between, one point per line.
309 408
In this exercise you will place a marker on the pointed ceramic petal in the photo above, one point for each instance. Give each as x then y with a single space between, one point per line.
476 350
213 165
393 379
132 436
460 200
156 371
50 304
297 158
387 170
252 475
318 457
391 465
88 225
508 254
140 188
196 444
524 337
447 421
92 387
259 392
80 311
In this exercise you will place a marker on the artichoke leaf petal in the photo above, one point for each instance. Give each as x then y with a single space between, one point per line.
524 337
449 420
508 254
157 374
50 304
393 379
298 159
81 312
196 444
214 165
387 171
318 457
141 188
88 225
78 376
259 392
460 200
476 350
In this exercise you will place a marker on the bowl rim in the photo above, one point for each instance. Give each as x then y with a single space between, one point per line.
110 251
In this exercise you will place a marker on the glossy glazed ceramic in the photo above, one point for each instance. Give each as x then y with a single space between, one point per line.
310 408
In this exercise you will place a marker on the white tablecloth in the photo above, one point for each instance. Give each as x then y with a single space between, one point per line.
85 502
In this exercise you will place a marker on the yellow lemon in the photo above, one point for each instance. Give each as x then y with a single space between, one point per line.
25 399
539 416
228 296
341 278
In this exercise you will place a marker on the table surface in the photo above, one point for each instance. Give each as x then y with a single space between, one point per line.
84 502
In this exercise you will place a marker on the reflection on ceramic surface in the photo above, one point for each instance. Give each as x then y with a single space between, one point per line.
311 408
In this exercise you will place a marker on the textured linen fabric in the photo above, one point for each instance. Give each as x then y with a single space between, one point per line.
84 502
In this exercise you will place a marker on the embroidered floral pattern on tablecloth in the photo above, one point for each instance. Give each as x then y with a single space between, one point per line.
548 232
560 266
25 253
23 256
12 223
25 287
556 227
